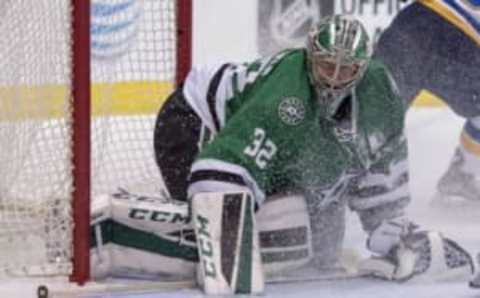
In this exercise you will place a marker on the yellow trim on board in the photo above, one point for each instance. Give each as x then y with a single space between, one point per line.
124 98
49 101
130 98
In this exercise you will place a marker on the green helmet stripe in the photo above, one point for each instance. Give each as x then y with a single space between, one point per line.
325 39
360 45
343 33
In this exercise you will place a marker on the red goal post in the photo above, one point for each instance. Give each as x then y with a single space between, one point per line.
81 116
78 120
81 145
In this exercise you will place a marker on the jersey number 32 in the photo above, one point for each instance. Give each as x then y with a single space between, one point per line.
262 149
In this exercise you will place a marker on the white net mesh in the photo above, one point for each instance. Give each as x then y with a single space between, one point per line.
133 59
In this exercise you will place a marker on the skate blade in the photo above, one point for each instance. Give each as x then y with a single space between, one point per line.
474 285
441 200
454 206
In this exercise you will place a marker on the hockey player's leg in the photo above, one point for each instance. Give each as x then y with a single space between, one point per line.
455 66
228 243
462 179
176 142
404 47
141 236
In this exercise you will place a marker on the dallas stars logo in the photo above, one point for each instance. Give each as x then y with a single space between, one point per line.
291 111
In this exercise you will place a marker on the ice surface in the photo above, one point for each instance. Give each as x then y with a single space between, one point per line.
433 135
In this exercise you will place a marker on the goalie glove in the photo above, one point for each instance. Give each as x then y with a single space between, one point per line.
423 254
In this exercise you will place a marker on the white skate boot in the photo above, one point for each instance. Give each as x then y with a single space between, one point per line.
458 186
475 281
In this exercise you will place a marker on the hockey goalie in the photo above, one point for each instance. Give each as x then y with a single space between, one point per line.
260 161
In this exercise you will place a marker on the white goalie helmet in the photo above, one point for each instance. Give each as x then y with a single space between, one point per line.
338 53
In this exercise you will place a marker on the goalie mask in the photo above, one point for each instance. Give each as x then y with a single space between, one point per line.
338 52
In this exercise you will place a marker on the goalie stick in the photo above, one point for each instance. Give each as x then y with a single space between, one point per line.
132 287
334 274
348 268
349 260
111 287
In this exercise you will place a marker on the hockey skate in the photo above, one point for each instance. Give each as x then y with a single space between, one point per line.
475 281
457 187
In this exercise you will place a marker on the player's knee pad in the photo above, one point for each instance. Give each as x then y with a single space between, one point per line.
284 232
132 234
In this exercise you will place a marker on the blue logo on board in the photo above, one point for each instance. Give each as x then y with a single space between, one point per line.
114 27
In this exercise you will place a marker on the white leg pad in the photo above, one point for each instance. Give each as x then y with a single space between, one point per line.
285 234
227 241
141 236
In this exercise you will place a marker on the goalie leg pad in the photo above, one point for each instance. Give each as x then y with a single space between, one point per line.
227 241
139 235
113 260
285 234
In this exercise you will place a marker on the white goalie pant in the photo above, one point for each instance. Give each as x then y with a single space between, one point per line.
137 236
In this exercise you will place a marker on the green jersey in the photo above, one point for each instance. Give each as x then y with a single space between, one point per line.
272 134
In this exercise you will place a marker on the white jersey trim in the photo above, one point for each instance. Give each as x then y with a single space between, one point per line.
196 89
213 186
391 196
218 165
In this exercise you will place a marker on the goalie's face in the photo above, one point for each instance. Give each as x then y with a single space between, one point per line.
338 52
333 72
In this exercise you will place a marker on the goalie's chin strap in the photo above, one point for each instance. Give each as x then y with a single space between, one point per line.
228 243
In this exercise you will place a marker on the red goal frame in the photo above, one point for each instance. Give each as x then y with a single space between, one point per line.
81 119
